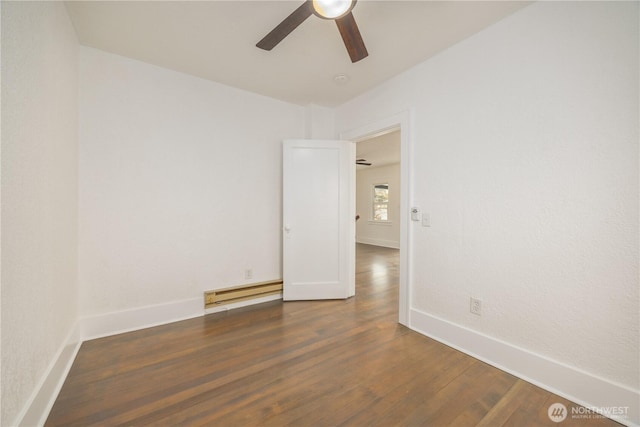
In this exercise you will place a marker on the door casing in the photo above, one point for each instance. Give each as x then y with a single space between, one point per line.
402 121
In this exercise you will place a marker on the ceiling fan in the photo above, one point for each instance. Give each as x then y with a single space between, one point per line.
337 10
362 162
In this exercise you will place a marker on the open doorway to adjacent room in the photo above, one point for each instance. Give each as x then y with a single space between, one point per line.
401 124
378 203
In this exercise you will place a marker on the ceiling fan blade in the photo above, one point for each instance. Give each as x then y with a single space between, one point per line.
289 24
363 163
351 37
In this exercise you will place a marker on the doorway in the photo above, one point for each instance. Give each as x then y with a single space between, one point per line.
378 211
378 197
399 123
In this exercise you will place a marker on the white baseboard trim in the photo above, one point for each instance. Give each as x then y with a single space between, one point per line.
118 322
378 242
245 303
573 384
39 405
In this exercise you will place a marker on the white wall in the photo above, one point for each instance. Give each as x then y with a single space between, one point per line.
525 153
39 196
180 184
368 231
319 122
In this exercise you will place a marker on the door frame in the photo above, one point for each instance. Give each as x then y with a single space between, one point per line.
404 122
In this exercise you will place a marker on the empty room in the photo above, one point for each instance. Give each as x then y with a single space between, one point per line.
197 226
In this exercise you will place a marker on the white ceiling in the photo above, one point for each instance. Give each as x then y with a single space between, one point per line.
216 40
382 150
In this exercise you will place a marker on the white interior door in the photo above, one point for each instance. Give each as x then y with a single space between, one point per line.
318 219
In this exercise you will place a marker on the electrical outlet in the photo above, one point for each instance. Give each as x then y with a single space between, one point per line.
475 306
248 273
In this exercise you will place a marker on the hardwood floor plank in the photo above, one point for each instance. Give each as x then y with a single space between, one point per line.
303 363
510 402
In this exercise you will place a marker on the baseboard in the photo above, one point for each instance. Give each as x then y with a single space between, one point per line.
244 303
378 242
573 384
39 405
139 318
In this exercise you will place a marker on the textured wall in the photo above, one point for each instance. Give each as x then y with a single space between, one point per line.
180 184
39 194
525 152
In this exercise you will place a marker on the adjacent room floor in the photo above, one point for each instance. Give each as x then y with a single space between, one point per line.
322 363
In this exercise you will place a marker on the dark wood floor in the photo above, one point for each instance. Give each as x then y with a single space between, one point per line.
325 363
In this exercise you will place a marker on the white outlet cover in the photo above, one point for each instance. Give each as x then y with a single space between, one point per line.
475 306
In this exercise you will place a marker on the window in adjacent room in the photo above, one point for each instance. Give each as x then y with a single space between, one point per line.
381 202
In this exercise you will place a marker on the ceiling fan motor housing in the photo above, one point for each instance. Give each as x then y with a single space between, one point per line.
332 9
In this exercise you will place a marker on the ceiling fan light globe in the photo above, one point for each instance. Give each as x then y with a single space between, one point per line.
332 9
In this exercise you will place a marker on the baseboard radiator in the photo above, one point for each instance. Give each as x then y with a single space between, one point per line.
241 293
